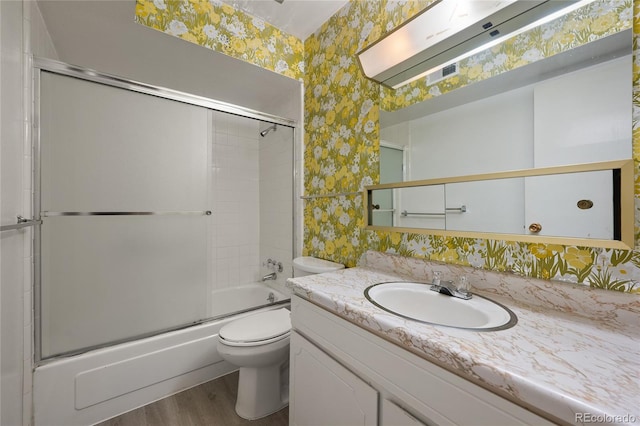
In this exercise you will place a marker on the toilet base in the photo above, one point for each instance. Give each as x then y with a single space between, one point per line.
261 391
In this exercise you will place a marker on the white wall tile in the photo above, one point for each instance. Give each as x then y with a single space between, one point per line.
235 200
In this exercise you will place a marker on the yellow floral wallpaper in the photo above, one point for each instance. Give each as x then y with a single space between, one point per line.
220 27
341 127
342 141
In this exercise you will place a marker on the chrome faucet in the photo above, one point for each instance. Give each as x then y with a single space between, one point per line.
271 276
449 288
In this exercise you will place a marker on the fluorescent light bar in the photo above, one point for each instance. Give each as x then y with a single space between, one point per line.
452 30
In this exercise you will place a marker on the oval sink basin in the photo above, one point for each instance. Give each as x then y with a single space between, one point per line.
418 302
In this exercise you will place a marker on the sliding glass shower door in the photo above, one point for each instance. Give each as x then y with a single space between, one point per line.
124 199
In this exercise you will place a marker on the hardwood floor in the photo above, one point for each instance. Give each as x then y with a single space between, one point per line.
210 404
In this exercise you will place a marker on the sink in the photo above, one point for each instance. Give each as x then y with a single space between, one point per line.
417 302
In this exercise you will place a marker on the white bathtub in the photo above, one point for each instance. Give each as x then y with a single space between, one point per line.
100 384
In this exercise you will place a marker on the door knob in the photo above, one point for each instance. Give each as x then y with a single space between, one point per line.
375 206
535 228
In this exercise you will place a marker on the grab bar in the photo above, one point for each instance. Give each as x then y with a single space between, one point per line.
384 211
163 213
461 209
22 223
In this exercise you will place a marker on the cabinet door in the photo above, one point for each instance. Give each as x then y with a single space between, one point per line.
392 415
323 392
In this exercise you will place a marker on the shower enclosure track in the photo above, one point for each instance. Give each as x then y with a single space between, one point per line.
158 213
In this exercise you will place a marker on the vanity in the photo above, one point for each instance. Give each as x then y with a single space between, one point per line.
572 357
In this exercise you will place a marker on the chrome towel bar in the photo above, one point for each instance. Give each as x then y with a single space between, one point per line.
405 213
461 209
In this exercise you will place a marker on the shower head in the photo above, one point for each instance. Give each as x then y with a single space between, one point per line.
267 130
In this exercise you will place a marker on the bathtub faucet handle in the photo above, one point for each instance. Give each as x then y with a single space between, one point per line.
274 265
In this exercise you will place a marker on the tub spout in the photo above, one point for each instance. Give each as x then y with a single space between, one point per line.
271 276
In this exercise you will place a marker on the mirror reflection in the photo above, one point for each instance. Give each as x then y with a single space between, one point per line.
570 108
588 202
578 117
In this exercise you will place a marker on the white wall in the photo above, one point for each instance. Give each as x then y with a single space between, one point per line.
463 140
22 32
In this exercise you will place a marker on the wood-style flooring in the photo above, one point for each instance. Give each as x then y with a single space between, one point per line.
210 404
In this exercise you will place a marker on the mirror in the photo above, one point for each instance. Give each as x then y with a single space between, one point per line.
587 204
569 108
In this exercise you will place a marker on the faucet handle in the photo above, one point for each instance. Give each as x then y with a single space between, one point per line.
463 285
437 276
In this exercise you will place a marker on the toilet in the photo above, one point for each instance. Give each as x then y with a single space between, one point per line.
307 265
259 345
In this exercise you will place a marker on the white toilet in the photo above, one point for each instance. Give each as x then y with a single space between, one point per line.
307 265
259 345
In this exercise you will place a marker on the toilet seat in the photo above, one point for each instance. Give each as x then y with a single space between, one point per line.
257 329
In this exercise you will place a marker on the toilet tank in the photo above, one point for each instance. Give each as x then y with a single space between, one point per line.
307 265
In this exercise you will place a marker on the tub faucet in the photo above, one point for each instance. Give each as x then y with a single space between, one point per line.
449 288
271 276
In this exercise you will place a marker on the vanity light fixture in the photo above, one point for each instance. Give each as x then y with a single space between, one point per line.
450 30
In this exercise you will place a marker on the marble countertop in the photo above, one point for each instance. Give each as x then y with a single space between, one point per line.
574 353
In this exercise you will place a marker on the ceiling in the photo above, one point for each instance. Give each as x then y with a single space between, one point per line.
297 17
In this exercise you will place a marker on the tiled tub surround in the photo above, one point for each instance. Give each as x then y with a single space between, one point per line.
574 349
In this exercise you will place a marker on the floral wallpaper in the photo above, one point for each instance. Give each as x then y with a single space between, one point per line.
218 26
342 107
341 126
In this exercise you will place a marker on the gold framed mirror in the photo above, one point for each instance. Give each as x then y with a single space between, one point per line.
589 205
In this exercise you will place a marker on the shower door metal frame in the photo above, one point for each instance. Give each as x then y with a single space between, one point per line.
47 65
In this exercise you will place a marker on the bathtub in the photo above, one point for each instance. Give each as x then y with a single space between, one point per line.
97 385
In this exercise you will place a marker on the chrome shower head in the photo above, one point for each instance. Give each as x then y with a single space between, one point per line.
267 130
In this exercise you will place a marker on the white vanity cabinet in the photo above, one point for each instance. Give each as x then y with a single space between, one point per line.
323 392
343 375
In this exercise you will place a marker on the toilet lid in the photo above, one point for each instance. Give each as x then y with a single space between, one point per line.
258 327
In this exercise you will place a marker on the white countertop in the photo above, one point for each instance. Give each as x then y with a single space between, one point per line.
574 350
